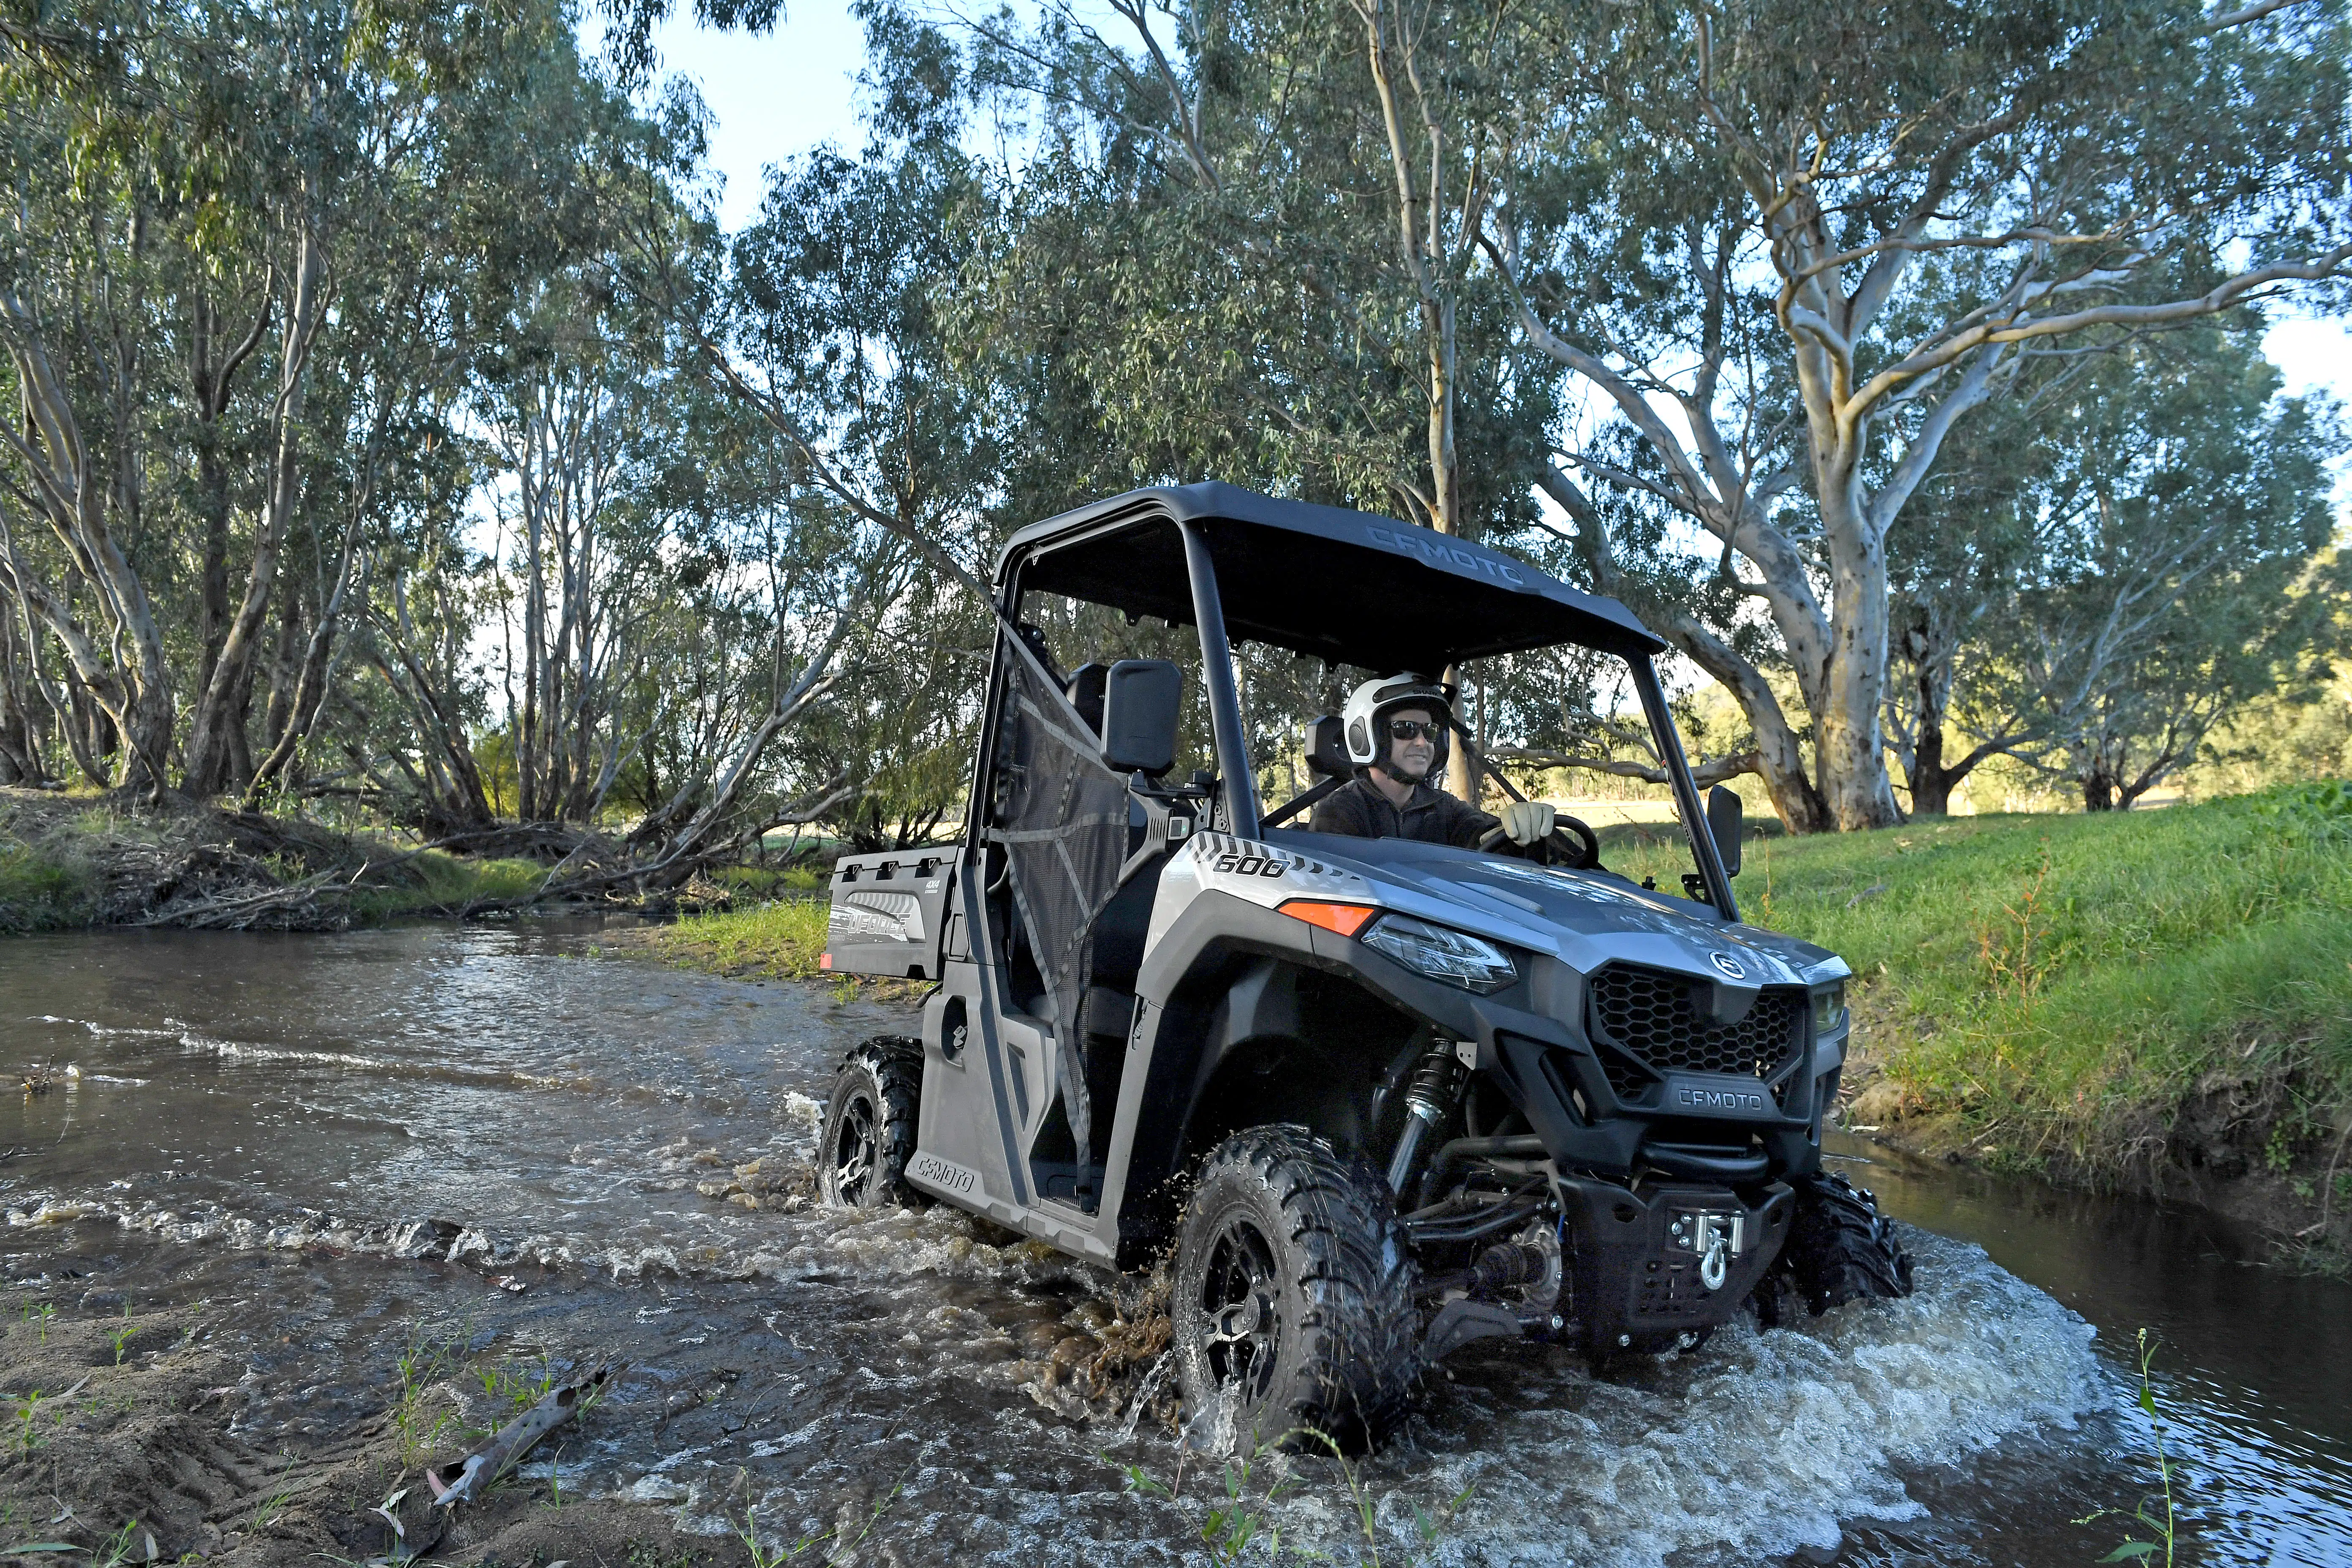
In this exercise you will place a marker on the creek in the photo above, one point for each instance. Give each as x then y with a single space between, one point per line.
490 1142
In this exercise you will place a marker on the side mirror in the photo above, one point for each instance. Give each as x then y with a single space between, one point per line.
1723 817
1142 700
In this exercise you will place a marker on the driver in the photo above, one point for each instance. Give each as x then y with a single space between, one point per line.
1396 732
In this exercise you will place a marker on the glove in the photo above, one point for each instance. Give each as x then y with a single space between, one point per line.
1527 821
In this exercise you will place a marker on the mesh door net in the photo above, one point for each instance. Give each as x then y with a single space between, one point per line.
1061 818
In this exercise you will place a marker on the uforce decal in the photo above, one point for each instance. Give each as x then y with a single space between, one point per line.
1437 550
1734 1099
943 1176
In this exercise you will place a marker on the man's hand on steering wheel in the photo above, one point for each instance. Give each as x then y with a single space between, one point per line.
1567 842
1525 821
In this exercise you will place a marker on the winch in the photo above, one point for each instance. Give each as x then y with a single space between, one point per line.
1716 1238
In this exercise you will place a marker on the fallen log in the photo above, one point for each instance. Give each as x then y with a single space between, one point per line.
465 1480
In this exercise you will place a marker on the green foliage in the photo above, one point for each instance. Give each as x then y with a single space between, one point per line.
780 941
2068 983
448 882
28 1414
423 1362
765 881
46 882
132 1543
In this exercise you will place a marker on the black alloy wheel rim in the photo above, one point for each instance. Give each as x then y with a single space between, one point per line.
857 1148
1241 1296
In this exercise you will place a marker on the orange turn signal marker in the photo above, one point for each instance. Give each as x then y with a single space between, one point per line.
1345 919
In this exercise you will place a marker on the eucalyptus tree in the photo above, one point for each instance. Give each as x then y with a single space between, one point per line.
77 286
1720 221
1245 248
232 330
2166 522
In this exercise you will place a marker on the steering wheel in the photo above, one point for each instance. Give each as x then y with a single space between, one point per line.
1581 852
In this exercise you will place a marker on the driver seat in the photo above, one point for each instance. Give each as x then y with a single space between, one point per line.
1326 754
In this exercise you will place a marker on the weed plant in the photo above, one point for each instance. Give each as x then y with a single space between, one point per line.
29 1416
2066 983
830 1542
42 889
2163 1529
1229 1526
423 1362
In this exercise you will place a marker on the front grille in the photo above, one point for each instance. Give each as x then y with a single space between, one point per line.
1653 1017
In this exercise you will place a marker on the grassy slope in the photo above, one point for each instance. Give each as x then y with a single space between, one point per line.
2072 984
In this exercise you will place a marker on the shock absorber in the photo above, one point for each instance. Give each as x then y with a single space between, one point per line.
1437 1084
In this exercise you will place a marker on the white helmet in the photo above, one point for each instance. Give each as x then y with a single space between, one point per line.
1368 710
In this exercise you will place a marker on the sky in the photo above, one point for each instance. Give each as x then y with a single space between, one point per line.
772 97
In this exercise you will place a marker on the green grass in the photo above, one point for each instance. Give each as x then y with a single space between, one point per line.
2068 983
779 941
765 882
41 890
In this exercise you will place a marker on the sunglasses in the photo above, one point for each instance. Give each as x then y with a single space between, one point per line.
1412 728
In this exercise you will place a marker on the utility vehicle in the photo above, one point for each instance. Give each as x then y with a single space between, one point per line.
1382 1097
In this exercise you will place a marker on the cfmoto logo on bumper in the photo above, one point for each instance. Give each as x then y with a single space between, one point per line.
1717 1099
1729 964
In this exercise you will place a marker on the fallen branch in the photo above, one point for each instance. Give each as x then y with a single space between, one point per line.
467 1478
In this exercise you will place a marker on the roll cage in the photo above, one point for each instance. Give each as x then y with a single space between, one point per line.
1385 594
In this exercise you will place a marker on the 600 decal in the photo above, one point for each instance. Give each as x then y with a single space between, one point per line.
1252 864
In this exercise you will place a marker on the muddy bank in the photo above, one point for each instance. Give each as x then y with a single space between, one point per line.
132 1437
72 861
2214 1152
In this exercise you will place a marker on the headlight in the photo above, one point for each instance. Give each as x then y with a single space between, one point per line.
1829 1010
1455 957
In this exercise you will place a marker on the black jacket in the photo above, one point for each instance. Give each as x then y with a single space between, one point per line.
1433 817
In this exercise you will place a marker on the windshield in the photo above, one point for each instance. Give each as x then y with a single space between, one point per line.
1564 724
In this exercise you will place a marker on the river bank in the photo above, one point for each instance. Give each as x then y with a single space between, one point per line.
131 1441
2148 1001
71 861
2152 1002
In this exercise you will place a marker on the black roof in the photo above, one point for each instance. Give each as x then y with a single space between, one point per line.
1349 586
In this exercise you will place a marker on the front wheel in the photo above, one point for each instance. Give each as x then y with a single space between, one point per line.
1294 1308
1841 1248
869 1133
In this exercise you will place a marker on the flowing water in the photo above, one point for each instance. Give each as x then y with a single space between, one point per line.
490 1142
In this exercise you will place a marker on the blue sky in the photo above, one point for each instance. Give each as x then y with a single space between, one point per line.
772 97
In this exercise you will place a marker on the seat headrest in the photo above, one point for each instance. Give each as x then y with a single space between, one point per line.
1327 748
1086 692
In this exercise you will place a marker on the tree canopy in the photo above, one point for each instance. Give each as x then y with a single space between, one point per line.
399 428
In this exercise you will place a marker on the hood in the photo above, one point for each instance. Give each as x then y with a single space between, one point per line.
1583 917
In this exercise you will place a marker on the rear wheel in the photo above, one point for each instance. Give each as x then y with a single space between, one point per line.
869 1133
1841 1248
1293 1309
